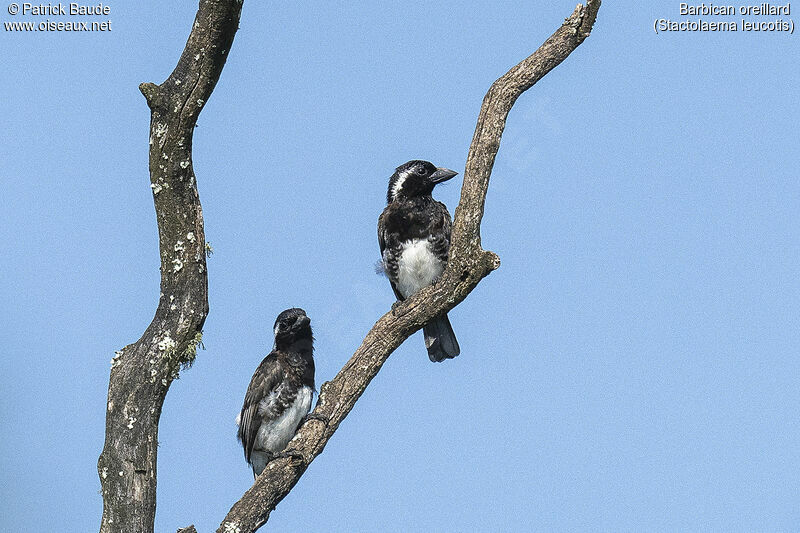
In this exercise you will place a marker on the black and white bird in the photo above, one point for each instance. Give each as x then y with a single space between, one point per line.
280 392
414 236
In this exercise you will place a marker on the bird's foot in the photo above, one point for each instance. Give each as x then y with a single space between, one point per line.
395 306
295 457
315 416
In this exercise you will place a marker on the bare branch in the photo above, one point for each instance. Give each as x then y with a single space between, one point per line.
141 373
468 264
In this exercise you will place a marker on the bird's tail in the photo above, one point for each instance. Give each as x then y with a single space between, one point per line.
440 340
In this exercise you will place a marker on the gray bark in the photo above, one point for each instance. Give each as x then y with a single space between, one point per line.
142 372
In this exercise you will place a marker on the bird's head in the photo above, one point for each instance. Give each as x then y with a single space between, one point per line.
291 326
416 178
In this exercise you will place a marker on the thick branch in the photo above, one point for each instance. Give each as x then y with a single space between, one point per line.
141 373
468 264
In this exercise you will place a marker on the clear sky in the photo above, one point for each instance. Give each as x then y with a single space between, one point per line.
633 364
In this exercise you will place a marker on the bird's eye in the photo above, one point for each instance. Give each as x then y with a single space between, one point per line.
421 171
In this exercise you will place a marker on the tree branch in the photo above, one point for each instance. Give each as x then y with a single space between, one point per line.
141 373
467 265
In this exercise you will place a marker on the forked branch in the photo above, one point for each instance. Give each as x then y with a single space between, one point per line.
142 372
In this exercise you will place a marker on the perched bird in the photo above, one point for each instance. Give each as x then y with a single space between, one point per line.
414 236
280 393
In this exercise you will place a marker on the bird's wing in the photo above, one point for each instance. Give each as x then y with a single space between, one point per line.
440 228
389 266
382 231
265 385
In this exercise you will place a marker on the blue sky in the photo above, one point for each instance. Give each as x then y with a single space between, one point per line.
632 365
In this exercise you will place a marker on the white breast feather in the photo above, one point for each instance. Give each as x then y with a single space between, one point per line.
274 435
418 267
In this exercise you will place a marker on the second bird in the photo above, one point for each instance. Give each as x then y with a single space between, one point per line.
414 237
280 393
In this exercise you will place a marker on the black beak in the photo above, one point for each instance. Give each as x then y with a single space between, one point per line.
301 322
442 174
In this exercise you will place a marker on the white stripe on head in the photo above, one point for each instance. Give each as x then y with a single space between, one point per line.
401 178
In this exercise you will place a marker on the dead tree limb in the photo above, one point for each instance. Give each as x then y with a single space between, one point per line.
142 372
467 265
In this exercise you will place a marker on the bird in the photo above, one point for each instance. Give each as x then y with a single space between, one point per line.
414 238
280 392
